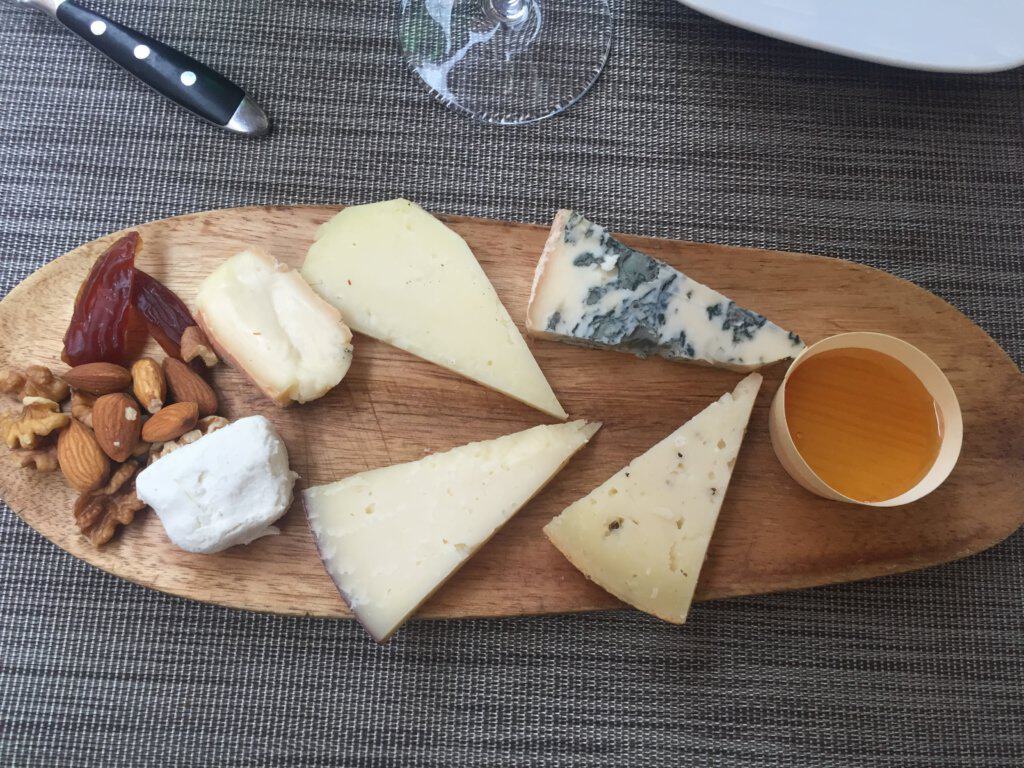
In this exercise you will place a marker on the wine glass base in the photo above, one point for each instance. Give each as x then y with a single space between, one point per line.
506 73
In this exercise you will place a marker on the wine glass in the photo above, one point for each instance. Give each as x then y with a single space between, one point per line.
506 61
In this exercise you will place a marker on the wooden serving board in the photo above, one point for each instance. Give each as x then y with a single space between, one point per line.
772 535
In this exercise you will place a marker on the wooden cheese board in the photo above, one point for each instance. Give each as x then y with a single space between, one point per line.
772 534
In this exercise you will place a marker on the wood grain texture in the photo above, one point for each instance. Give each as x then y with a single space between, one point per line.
772 535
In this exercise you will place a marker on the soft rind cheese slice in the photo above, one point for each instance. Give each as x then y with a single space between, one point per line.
399 275
264 319
391 536
589 289
643 534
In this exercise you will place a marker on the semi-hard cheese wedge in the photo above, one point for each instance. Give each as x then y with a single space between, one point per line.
590 289
643 534
390 537
399 275
265 319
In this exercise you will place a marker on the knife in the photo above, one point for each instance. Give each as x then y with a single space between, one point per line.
171 73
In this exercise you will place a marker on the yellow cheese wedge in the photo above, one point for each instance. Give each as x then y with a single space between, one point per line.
644 533
399 275
390 537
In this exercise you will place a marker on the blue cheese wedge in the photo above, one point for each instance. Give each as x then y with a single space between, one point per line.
401 276
589 289
391 536
643 534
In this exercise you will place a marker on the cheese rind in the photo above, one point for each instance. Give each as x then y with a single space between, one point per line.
398 274
391 536
226 488
589 289
643 534
265 319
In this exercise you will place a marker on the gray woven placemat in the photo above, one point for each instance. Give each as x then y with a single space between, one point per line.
695 131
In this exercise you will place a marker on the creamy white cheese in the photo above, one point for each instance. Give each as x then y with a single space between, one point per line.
399 275
226 488
391 536
265 319
643 534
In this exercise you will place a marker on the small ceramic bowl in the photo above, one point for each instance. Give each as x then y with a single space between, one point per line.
929 374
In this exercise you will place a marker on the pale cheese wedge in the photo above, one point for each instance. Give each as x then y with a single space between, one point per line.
644 533
399 275
391 536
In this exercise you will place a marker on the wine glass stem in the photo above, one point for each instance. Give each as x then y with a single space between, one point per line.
508 12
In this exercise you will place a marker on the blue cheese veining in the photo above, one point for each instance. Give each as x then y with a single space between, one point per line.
592 290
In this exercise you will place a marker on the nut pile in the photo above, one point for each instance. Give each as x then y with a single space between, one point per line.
116 420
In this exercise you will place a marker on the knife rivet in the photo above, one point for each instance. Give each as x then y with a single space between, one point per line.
141 51
98 27
188 78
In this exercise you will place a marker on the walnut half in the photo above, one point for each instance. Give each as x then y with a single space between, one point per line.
204 426
40 459
11 381
99 513
39 418
40 382
81 407
34 381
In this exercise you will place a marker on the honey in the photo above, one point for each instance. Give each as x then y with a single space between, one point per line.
863 422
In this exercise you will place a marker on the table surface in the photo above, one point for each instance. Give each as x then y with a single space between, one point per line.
695 131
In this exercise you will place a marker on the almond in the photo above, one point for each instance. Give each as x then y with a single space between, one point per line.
81 459
170 422
148 384
195 344
116 422
98 378
187 386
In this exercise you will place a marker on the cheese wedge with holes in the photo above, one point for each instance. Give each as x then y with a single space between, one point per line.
644 533
593 291
391 536
399 275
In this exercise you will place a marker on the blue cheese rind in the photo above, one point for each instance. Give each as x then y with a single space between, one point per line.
591 290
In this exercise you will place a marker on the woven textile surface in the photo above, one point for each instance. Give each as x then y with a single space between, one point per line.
695 131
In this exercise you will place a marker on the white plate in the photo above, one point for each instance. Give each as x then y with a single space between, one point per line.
939 35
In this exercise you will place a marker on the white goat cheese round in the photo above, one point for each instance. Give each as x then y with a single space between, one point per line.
226 488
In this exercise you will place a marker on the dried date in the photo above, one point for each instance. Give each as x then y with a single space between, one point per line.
99 326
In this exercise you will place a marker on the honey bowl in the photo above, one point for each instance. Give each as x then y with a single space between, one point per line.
866 418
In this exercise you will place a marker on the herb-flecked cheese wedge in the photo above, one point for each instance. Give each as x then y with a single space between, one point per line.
643 534
399 275
589 289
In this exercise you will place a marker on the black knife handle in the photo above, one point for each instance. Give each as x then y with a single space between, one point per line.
171 73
